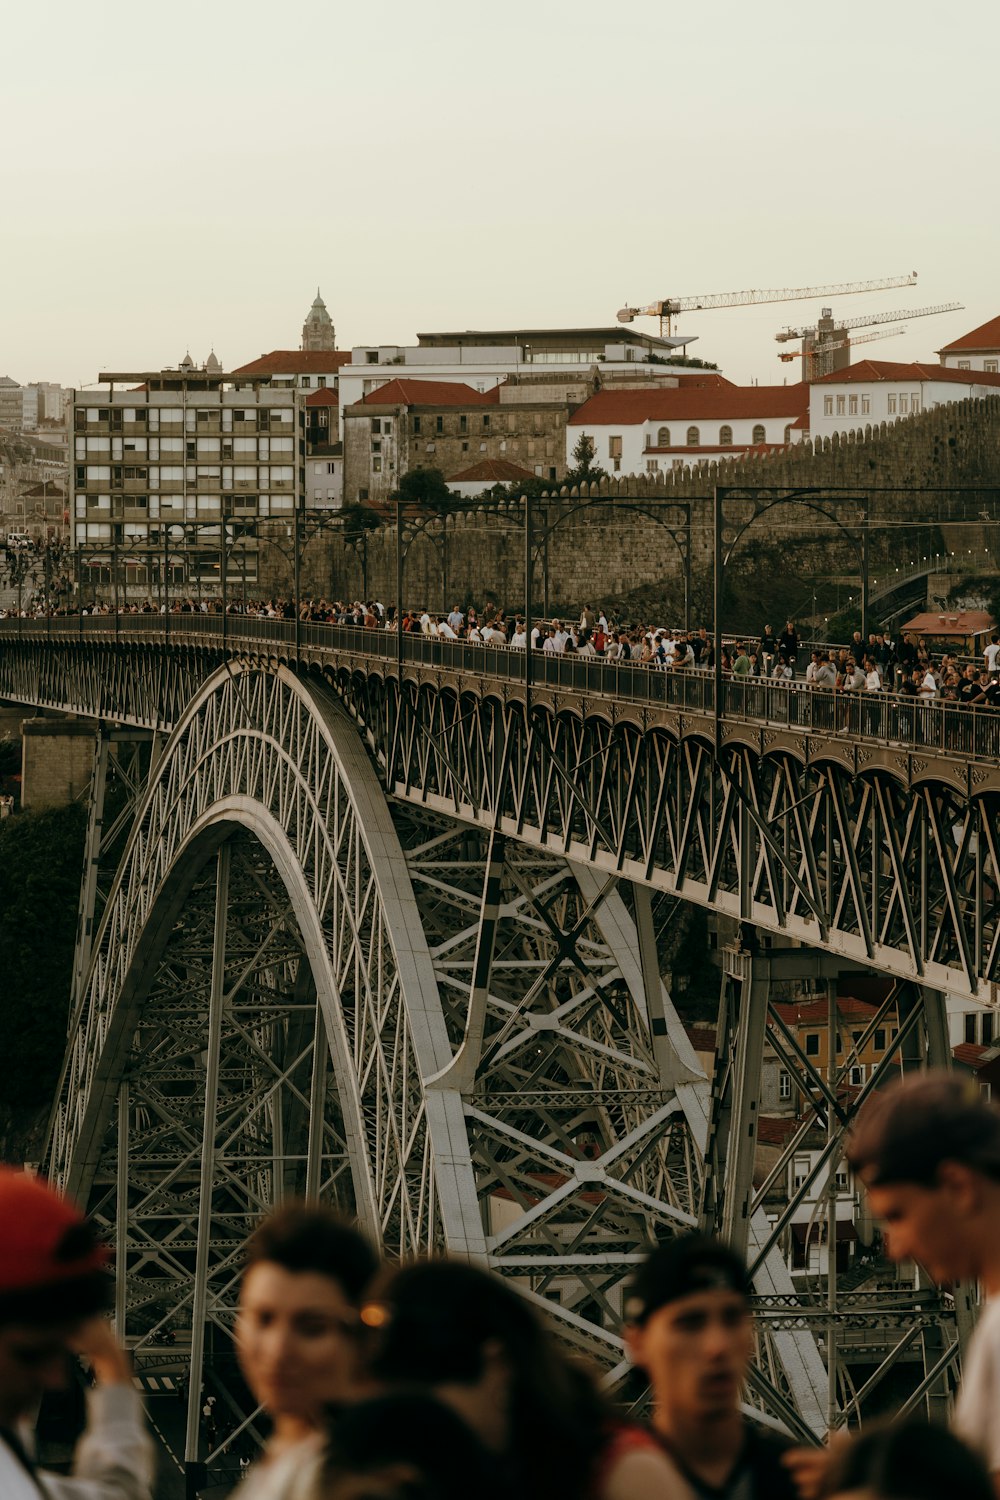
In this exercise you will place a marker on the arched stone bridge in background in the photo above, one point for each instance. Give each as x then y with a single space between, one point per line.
385 931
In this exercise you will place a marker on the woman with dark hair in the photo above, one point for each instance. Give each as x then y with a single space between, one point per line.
908 1461
406 1444
464 1335
306 1273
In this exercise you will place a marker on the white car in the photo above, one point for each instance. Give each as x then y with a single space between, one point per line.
17 539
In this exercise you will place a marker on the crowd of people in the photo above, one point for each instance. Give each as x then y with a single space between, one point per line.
437 1380
874 664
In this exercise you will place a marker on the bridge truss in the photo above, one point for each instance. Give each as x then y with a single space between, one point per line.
444 1011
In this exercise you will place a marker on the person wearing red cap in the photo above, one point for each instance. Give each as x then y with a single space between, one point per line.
53 1290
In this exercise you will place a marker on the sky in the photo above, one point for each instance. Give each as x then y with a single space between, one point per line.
183 175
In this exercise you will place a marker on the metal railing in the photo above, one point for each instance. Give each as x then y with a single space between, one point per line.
885 718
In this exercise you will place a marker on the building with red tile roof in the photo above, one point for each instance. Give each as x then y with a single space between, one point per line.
979 349
303 367
874 391
644 431
404 392
490 471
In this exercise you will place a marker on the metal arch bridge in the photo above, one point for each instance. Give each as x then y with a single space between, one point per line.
442 1008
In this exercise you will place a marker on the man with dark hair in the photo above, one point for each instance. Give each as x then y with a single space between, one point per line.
53 1291
688 1326
297 1332
928 1151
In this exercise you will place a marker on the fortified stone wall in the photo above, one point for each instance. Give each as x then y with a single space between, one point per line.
912 472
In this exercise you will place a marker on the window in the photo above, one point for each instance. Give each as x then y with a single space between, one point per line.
879 1039
725 435
759 434
386 424
857 1076
915 401
904 401
852 406
331 468
463 423
614 447
964 364
663 438
486 423
376 445
376 424
828 406
840 406
439 424
416 424
866 406
891 404
788 433
371 358
376 466
306 382
693 437
987 1028
362 492
800 1171
812 1044
321 382
784 1085
652 465
989 366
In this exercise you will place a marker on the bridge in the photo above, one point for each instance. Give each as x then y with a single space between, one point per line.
376 920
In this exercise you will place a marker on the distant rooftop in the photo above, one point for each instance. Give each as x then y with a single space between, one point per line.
551 338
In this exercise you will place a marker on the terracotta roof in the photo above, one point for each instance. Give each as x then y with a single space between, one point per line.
684 404
429 393
870 370
702 1038
809 1012
776 1130
296 362
960 622
325 396
986 336
492 471
972 1054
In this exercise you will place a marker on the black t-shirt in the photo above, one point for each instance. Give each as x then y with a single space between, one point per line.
758 1473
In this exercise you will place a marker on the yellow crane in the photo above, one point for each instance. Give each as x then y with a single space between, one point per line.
815 355
668 307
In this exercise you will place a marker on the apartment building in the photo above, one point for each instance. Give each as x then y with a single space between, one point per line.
163 461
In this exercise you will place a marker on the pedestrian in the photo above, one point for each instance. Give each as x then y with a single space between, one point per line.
928 1152
788 643
910 1460
464 1336
54 1288
688 1326
296 1336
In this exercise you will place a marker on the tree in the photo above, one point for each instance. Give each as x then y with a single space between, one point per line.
585 470
426 489
356 521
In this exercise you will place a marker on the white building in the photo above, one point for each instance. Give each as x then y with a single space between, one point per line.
483 360
879 390
707 417
978 350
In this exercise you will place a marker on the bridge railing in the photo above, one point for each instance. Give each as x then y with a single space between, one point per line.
882 718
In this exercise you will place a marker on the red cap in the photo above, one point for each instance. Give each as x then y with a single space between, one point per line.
41 1242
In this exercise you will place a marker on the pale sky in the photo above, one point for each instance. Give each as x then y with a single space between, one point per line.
184 174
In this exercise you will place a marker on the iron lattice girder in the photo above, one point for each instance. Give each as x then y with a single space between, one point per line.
887 858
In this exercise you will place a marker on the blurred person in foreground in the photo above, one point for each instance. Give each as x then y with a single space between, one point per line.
465 1337
54 1288
907 1461
297 1329
688 1325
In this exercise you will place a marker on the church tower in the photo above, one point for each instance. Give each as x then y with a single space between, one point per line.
318 331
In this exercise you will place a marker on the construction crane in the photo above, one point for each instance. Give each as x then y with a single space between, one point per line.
811 357
867 320
669 307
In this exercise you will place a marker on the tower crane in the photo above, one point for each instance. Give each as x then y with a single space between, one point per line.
668 307
867 320
812 356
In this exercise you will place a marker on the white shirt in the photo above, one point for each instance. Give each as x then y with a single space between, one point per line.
991 653
445 630
560 638
519 640
928 688
113 1460
873 682
978 1399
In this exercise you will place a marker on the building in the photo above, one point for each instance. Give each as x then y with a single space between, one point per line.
160 459
285 369
706 417
442 424
324 484
977 350
18 405
488 358
318 332
879 390
484 475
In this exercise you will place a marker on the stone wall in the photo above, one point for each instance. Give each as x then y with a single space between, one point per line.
912 472
57 763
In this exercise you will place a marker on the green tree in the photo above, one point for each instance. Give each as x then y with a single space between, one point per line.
427 489
41 860
357 520
584 470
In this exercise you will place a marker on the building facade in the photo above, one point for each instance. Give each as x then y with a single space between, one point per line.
977 350
877 390
318 332
174 471
707 417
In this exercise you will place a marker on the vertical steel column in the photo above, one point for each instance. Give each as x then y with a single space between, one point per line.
91 864
718 569
207 1179
317 1102
399 600
670 1070
832 1359
461 1073
121 1213
527 608
864 574
745 1107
